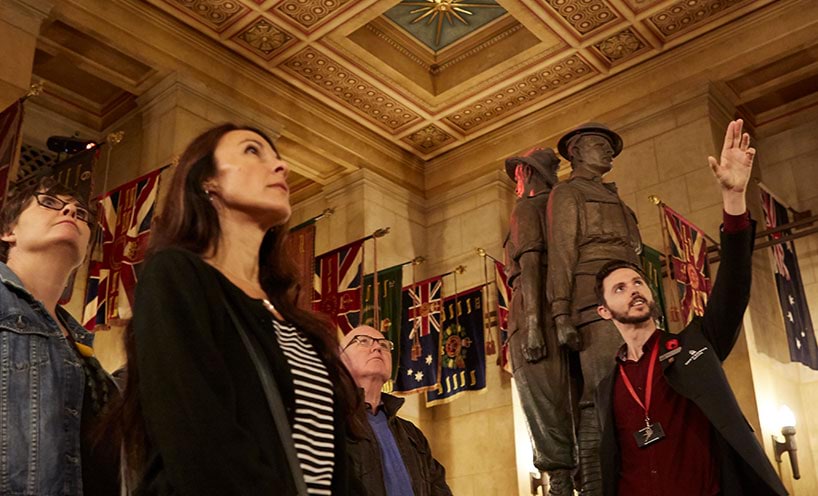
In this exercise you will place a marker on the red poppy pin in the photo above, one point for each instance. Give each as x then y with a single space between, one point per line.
672 344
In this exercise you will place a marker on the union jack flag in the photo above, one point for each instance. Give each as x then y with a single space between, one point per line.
690 270
10 121
424 313
337 285
122 239
503 302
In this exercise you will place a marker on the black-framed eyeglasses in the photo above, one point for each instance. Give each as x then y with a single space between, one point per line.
367 342
54 203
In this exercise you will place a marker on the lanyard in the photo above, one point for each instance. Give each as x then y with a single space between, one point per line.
648 387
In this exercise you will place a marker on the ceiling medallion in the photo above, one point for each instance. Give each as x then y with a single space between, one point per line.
444 9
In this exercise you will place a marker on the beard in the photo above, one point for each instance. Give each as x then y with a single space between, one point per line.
624 318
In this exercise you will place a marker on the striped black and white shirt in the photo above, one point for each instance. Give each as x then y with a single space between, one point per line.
312 428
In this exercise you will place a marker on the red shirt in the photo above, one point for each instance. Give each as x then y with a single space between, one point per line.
683 463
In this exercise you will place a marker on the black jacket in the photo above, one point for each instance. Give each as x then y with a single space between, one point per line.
364 455
744 467
209 426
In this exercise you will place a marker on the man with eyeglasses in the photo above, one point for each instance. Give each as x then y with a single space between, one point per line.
53 388
392 457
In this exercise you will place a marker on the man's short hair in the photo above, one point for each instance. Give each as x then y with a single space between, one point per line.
609 268
21 196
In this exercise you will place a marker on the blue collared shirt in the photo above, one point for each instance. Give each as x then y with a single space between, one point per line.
41 390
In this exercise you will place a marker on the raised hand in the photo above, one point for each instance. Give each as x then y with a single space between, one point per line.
736 164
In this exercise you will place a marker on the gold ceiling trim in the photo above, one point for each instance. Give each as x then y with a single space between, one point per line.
522 93
346 86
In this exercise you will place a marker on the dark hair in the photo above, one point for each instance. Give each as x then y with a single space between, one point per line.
190 221
21 196
609 268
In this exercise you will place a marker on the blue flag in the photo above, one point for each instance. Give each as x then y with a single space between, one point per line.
419 336
462 348
791 295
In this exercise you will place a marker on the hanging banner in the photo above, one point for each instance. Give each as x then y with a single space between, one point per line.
300 245
11 121
503 302
122 240
77 172
420 336
652 266
462 350
337 285
689 267
389 291
791 295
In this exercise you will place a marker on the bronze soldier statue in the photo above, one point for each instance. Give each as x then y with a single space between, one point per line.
538 363
588 226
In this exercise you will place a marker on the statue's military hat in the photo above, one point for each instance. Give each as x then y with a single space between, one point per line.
543 160
592 128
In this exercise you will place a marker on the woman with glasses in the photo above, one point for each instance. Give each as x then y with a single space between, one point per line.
392 456
53 389
231 389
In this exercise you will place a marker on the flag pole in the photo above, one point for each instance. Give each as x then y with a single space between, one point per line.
491 346
323 215
674 309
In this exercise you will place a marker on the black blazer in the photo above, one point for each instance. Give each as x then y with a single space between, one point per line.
696 373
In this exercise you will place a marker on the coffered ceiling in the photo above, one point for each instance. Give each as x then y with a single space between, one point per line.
493 62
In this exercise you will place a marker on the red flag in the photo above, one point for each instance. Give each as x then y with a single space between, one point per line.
125 225
503 302
300 245
689 267
337 285
11 121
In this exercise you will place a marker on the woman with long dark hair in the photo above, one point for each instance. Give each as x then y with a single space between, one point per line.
219 356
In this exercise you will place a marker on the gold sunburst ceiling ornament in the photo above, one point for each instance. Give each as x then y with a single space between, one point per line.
444 9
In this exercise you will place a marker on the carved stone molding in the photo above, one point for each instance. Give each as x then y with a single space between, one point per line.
685 14
523 92
263 38
428 139
351 89
584 15
217 14
620 46
640 5
308 13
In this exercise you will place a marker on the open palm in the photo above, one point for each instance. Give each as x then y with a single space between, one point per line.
736 164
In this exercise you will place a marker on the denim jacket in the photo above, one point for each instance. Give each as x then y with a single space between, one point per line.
41 390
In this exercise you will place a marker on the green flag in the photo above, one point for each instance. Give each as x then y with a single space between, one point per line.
390 284
652 265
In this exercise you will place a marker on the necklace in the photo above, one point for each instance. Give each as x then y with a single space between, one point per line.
269 306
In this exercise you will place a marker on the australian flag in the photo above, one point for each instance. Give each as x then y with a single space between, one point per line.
125 216
337 285
420 336
462 350
797 320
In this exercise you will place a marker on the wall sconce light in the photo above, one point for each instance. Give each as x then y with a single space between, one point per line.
786 419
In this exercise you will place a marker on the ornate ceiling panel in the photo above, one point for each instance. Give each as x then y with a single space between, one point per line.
497 64
345 85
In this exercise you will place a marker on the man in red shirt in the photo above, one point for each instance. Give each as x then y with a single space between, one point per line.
670 423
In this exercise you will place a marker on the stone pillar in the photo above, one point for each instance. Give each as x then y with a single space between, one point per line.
20 22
